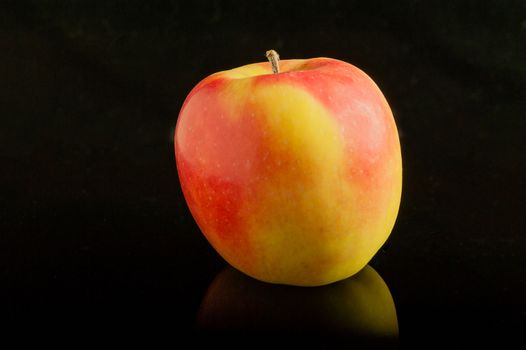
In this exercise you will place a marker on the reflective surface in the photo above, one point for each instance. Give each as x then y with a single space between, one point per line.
93 226
359 308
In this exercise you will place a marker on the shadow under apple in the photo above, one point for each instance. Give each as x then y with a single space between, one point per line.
360 307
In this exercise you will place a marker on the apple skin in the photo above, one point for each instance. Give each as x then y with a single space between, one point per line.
358 308
295 177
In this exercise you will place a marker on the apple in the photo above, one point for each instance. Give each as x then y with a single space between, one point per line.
360 307
292 173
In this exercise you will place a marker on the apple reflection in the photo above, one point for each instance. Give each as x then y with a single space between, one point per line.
360 307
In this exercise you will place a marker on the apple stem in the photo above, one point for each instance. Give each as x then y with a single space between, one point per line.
273 57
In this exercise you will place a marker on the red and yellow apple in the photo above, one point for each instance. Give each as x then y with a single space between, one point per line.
293 177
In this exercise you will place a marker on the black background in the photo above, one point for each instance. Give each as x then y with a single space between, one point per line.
93 224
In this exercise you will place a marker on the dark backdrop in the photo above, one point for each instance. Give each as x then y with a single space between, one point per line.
93 224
